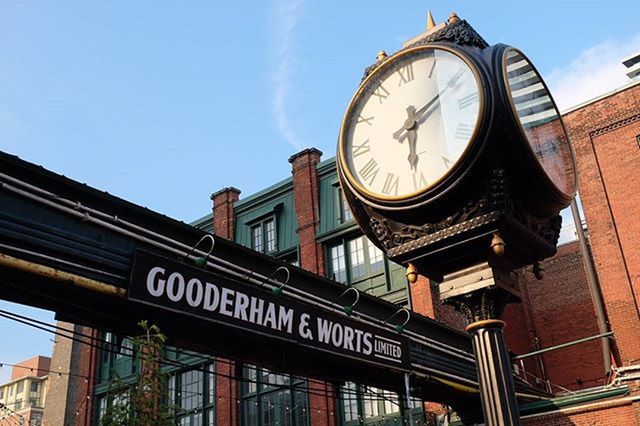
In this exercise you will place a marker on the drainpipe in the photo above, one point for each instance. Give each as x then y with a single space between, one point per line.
594 289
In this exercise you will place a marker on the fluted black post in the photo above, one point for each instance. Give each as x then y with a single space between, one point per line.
481 293
495 377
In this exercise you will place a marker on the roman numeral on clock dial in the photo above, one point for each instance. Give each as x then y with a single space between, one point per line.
361 149
468 100
369 171
367 120
381 93
464 131
406 74
418 181
390 184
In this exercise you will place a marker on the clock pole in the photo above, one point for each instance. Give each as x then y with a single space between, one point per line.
481 293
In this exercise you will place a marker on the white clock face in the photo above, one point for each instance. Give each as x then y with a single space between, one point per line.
410 123
539 120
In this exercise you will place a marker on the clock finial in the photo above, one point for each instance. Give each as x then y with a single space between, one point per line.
453 18
430 21
381 56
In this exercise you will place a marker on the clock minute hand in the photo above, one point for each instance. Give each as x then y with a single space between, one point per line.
422 110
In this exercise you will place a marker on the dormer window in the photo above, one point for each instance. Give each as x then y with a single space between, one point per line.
263 236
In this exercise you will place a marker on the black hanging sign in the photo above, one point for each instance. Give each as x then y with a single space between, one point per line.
181 288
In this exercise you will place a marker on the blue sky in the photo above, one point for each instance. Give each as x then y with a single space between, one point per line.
163 103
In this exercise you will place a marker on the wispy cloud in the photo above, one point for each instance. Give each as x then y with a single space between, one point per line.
286 16
593 72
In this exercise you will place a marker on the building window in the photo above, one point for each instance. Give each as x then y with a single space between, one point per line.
117 357
356 254
291 258
34 394
102 408
20 387
353 260
264 237
368 405
271 235
343 207
376 258
337 263
270 399
191 394
113 408
638 140
1 393
18 404
350 402
125 349
256 238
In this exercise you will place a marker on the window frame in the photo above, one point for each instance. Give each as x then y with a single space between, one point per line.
262 225
345 243
361 394
118 357
256 391
34 396
292 257
208 395
345 215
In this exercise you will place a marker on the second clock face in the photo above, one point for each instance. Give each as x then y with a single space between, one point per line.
539 120
410 123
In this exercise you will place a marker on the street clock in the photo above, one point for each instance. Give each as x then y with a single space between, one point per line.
411 122
450 142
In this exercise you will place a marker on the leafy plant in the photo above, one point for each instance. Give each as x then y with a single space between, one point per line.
142 403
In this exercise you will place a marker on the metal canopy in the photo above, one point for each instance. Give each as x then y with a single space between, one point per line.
70 248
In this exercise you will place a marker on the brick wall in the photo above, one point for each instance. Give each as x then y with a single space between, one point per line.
36 366
223 218
226 387
604 134
306 197
66 401
425 300
561 310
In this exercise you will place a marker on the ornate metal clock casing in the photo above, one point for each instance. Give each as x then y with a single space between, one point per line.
450 141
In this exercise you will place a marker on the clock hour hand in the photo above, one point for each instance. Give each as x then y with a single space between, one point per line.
414 116
410 125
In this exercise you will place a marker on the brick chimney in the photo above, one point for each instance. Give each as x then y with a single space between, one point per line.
223 217
305 199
